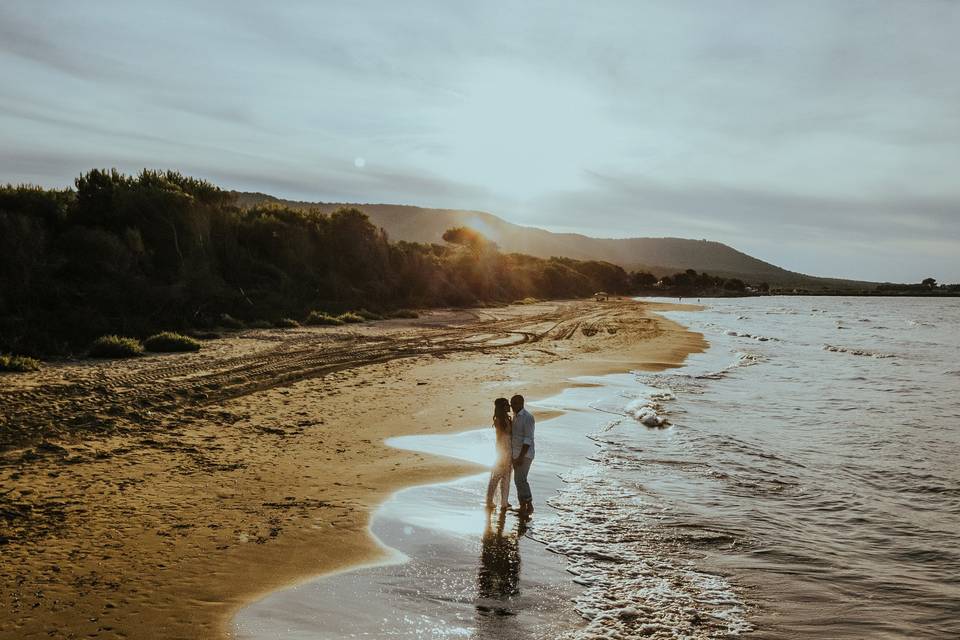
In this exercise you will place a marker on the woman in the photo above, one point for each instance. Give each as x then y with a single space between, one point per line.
502 468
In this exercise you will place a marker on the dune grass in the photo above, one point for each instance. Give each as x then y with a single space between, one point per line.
170 342
350 317
114 346
527 300
227 321
322 318
368 315
286 323
10 362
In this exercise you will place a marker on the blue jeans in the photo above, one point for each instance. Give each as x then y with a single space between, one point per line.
520 471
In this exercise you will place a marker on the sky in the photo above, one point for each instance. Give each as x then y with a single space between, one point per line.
820 135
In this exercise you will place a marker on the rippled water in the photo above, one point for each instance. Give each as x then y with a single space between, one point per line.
806 484
797 480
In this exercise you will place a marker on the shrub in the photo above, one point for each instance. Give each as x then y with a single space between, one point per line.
18 363
229 322
260 324
369 315
527 300
115 347
169 341
403 313
350 317
286 323
319 317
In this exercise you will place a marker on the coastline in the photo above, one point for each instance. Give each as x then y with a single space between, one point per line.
286 472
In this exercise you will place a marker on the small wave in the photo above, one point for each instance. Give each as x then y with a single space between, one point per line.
744 360
781 311
856 352
920 323
679 382
631 588
741 334
647 413
955 372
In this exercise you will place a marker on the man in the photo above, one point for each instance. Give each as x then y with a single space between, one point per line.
522 445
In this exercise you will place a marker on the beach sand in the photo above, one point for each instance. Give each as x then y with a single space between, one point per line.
156 497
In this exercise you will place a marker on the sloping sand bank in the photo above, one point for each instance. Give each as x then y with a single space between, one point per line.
153 498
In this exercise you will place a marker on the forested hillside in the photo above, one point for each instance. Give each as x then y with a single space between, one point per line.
661 256
136 254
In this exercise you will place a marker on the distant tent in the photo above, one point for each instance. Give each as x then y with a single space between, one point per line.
601 295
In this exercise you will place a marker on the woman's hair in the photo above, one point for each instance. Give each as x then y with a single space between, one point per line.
501 419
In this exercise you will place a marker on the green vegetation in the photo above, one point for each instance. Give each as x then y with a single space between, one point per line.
10 362
286 323
169 341
114 346
350 317
159 251
368 315
227 321
926 287
689 283
321 318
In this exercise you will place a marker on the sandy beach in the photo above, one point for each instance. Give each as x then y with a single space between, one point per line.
156 497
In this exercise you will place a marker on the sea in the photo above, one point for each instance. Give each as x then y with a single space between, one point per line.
798 479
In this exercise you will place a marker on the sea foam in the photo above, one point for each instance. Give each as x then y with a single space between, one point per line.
614 545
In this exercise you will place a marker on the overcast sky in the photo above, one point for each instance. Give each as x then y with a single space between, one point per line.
823 136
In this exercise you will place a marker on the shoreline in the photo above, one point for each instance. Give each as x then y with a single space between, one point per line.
456 468
432 531
244 493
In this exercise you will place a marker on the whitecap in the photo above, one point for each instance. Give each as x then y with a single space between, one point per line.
646 412
856 352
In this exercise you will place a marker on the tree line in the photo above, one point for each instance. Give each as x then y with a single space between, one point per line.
133 255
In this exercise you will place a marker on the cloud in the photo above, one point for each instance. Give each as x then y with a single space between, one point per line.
828 123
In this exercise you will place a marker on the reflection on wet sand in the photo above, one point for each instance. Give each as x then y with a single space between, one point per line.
498 576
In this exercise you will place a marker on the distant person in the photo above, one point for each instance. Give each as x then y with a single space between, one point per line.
523 451
500 474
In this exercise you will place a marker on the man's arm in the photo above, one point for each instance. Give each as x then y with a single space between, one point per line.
525 439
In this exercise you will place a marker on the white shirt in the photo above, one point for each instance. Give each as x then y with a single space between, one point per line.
523 425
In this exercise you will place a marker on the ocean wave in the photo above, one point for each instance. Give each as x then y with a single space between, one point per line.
647 413
741 334
783 311
920 323
856 352
744 359
632 589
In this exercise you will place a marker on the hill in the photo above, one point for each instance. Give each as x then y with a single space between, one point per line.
661 256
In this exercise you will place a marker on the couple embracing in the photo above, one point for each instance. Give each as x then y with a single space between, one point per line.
514 453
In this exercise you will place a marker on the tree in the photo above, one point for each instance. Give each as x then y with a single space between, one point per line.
734 284
929 283
467 237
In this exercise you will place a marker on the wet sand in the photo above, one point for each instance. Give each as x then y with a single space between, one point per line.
455 571
155 498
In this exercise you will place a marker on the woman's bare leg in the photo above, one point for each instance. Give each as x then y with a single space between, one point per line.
505 488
